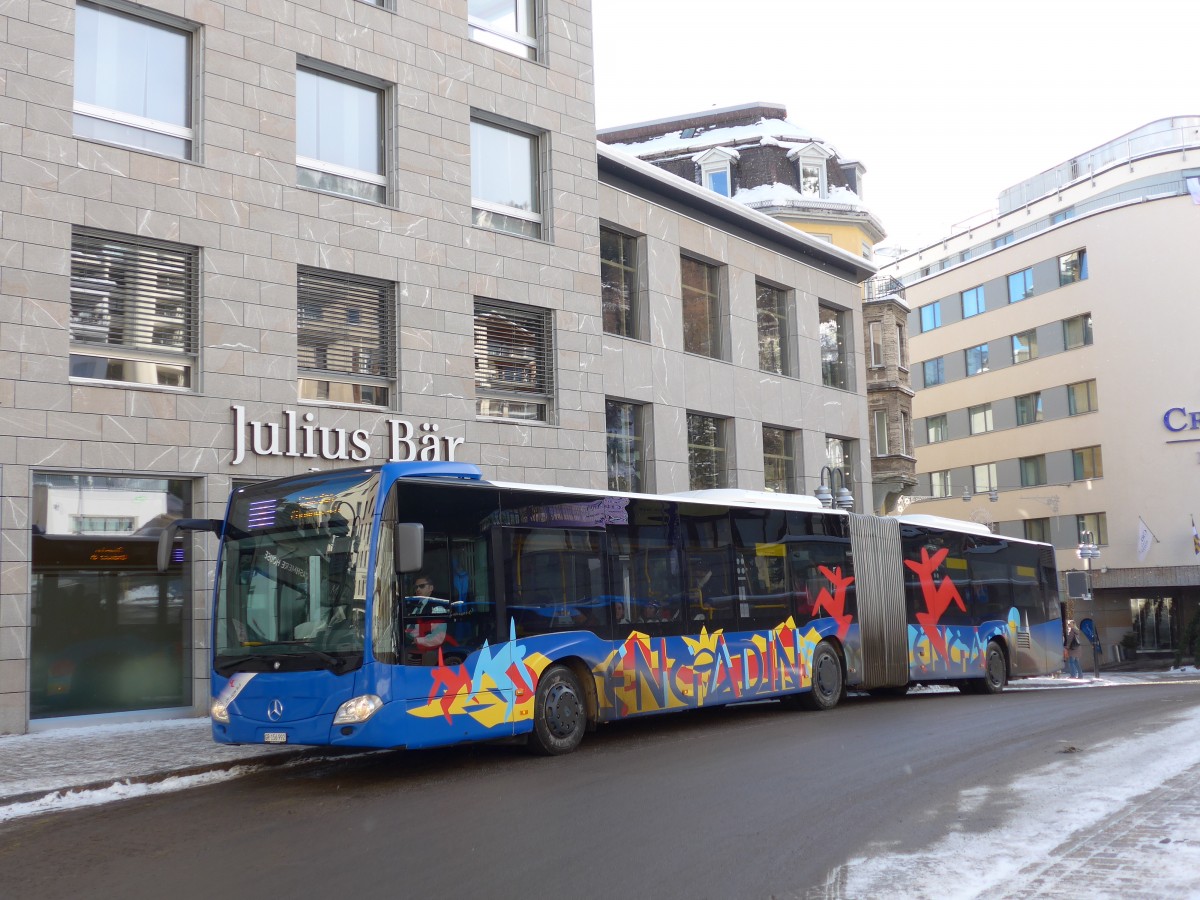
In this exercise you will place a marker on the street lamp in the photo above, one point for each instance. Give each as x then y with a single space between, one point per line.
843 499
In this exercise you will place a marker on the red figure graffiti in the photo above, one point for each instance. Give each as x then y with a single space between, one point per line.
835 604
937 598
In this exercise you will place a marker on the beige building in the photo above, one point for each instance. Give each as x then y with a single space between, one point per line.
1058 395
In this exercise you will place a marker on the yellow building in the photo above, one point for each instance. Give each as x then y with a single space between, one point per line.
754 155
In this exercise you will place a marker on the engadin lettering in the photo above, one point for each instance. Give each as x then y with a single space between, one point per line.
300 437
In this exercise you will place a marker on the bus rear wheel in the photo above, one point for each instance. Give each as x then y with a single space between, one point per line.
828 686
559 713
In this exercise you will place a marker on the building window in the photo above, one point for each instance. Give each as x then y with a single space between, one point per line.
939 484
1024 346
1029 408
508 25
625 459
345 338
901 347
876 333
977 359
1020 286
1095 524
1072 267
779 462
1033 470
339 136
984 477
1037 530
936 428
1087 463
934 371
835 368
772 329
839 454
715 175
1077 331
134 309
133 82
505 179
931 316
619 282
1063 215
706 452
812 177
880 421
701 285
1002 241
513 361
1081 397
981 418
904 433
973 302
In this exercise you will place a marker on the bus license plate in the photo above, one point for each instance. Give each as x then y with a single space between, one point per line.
275 737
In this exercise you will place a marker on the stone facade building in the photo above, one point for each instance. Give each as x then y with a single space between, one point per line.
240 242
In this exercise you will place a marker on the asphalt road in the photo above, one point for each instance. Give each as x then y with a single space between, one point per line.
742 802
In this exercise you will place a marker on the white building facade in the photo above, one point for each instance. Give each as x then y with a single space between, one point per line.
1056 384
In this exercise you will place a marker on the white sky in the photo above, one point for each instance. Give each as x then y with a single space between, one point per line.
946 103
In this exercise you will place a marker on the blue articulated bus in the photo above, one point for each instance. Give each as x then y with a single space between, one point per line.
418 605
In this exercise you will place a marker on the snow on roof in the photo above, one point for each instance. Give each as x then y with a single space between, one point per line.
779 194
772 130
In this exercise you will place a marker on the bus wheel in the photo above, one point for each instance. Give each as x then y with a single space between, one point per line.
559 713
827 683
995 670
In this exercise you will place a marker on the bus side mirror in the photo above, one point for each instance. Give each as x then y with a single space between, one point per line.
166 537
409 546
166 543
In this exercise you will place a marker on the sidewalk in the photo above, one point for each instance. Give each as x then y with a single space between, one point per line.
98 756
95 757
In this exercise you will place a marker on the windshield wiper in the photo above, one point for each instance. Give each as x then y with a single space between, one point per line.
267 662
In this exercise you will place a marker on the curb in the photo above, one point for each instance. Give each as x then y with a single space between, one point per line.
266 760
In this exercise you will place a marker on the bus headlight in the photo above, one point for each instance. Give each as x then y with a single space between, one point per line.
357 709
219 712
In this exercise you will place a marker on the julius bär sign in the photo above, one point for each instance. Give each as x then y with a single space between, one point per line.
298 435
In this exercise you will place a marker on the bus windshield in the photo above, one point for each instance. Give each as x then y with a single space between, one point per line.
291 587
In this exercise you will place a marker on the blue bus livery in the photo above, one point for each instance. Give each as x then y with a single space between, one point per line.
417 605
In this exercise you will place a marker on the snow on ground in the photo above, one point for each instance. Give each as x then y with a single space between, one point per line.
64 800
1064 799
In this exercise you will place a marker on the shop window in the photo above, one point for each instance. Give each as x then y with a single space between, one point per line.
109 632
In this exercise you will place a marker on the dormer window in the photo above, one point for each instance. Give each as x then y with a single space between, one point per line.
810 163
716 170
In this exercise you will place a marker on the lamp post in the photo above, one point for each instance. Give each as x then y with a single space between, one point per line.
840 496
